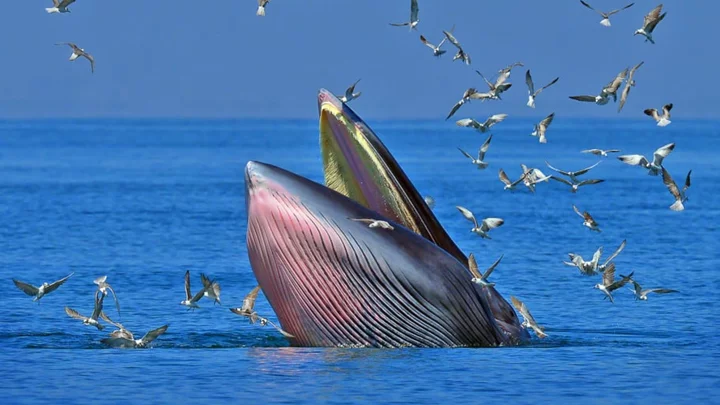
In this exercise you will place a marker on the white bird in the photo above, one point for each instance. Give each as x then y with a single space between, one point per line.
586 268
654 167
641 294
629 83
461 54
500 85
662 120
601 267
44 289
532 93
480 161
599 99
104 286
609 284
247 310
484 228
575 186
436 49
600 152
190 300
504 73
261 7
572 175
510 185
92 320
611 88
413 16
481 279
652 19
533 176
529 321
469 94
606 16
211 287
484 126
77 52
350 93
542 127
374 223
588 220
679 195
60 6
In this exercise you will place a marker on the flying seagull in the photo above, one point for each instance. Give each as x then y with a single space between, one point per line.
601 267
78 52
470 94
510 185
575 186
532 93
499 86
44 289
480 161
611 88
586 268
654 167
478 278
641 294
662 120
60 6
374 223
679 195
211 287
529 321
247 310
588 220
572 175
542 127
436 49
484 228
533 176
92 320
650 22
190 300
609 284
629 83
350 93
461 52
606 16
103 287
413 16
261 7
482 127
599 99
504 73
600 152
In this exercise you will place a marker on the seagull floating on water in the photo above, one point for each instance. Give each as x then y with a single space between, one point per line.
483 228
629 83
190 300
247 310
542 127
92 320
43 290
261 7
662 120
78 52
413 16
654 167
606 16
641 294
652 19
588 220
478 278
350 93
510 185
374 223
679 195
211 287
480 161
529 321
484 126
609 284
60 6
532 93
600 152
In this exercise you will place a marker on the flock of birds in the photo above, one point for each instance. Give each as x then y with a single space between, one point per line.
530 178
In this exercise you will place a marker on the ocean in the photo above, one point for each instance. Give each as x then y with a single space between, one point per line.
142 201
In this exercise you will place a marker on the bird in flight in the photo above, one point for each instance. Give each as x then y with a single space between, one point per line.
78 52
413 16
606 16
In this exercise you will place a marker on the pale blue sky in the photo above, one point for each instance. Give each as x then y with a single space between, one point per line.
186 58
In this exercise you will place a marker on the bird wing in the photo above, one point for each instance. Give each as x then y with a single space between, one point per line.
612 151
467 122
687 181
484 148
651 26
205 280
590 7
546 86
593 151
670 183
585 170
596 255
666 110
561 180
490 269
455 108
491 223
619 10
529 82
557 170
589 218
399 24
363 220
634 160
652 113
153 334
503 177
428 44
74 314
28 289
65 3
547 121
107 319
632 71
188 294
662 152
479 96
660 291
452 39
466 154
577 211
588 99
54 286
617 252
614 85
100 280
350 90
249 300
624 96
637 287
609 275
414 9
117 303
494 119
651 19
490 85
523 309
590 182
467 214
472 265
99 297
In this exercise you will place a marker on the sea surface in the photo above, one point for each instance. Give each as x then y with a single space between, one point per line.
142 201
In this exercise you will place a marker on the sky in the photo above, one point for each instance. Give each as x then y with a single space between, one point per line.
217 59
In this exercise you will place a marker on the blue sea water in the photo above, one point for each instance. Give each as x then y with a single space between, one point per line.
143 201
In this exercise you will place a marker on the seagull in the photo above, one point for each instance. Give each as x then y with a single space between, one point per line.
651 20
662 120
510 185
261 7
211 287
599 99
504 73
532 177
413 16
479 162
641 294
611 88
429 201
103 286
374 223
601 267
436 49
93 319
125 339
586 268
600 152
470 94
542 127
500 85
484 228
606 16
349 93
482 127
78 52
247 310
60 6
532 93
575 186
481 278
121 332
629 83
679 195
653 167
190 301
588 220
572 175
609 284
461 52
529 321
44 289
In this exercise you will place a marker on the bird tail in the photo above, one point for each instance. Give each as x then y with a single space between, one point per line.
605 22
677 206
543 139
664 122
531 102
261 11
51 10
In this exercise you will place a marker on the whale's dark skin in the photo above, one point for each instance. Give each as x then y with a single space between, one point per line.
334 282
